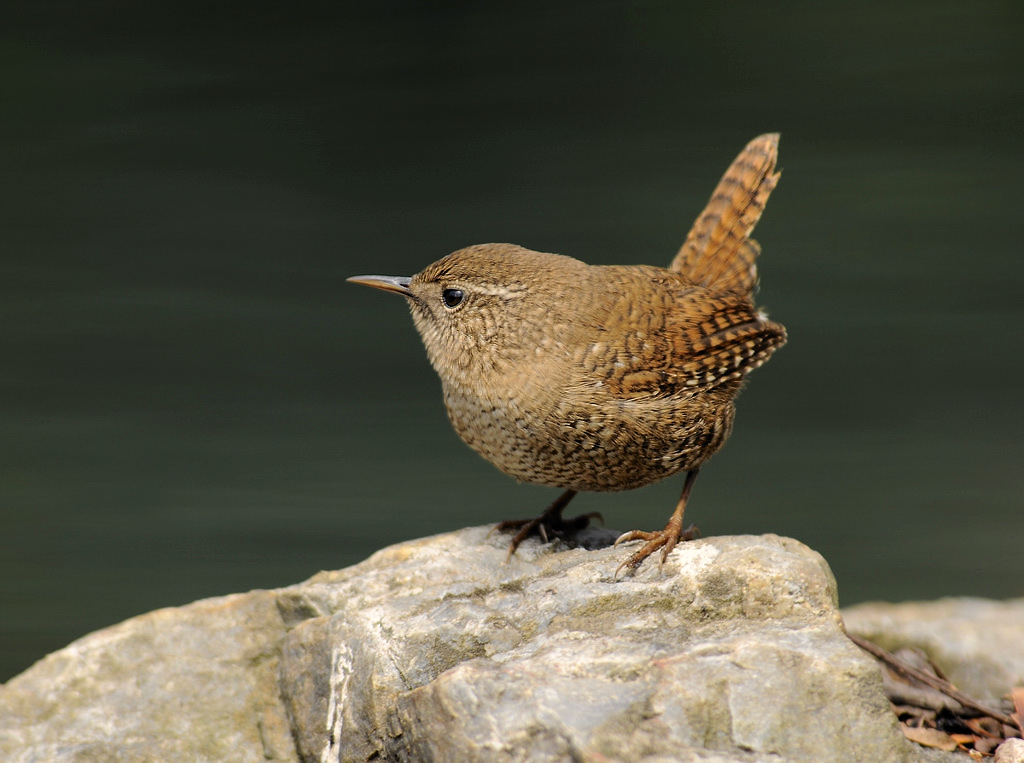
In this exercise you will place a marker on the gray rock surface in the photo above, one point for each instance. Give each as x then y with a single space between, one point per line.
978 643
191 683
436 650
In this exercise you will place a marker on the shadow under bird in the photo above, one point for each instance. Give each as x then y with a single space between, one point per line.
604 378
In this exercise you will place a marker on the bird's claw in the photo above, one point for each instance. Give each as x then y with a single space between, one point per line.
546 526
665 539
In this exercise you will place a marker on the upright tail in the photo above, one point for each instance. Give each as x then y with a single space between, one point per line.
718 251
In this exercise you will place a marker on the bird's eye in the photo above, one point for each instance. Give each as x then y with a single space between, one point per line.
452 297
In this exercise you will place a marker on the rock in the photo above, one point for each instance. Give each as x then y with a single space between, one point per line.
1010 751
436 650
978 643
192 683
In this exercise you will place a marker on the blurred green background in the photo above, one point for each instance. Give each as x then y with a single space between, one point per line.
193 402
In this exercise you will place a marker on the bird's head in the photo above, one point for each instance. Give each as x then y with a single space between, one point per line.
491 307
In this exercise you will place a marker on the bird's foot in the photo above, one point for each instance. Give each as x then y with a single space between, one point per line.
665 539
548 525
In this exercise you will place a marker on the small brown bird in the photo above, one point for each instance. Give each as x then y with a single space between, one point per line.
604 378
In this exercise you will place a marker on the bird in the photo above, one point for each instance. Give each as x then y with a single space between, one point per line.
602 377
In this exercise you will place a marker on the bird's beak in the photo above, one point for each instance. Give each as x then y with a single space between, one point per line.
397 284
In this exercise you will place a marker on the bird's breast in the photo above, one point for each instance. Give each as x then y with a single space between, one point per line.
580 439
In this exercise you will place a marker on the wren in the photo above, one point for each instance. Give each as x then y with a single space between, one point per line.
605 378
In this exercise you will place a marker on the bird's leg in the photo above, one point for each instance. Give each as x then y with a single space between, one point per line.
551 520
664 539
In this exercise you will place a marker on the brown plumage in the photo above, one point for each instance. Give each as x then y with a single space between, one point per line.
601 378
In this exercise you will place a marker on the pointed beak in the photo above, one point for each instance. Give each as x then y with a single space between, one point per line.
397 284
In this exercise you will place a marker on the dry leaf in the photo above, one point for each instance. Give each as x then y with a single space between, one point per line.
930 738
987 746
921 715
1018 706
922 700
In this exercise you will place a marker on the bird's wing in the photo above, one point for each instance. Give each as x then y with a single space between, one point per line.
678 341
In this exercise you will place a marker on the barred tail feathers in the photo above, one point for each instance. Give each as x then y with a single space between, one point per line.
718 251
